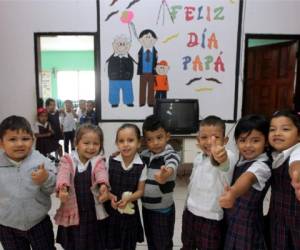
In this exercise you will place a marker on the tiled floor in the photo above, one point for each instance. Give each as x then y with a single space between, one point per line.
179 197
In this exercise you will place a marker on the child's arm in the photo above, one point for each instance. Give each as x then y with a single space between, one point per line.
101 178
166 171
136 195
240 187
295 176
64 178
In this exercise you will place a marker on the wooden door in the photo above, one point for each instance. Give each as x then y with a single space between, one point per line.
269 78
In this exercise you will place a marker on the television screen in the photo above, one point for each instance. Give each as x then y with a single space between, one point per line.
180 116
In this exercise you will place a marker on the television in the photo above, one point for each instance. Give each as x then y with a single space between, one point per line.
179 116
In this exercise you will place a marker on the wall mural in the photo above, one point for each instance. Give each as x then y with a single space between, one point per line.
168 49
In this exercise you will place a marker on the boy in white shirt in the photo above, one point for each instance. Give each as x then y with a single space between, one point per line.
213 168
68 123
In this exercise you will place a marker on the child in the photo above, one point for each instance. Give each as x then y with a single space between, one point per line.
45 142
27 180
81 110
53 119
249 186
213 167
284 210
158 204
79 175
68 125
127 174
90 115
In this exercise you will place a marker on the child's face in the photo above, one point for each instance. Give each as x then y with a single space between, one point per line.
51 107
16 144
88 146
68 106
283 133
157 140
127 143
43 118
205 135
89 106
251 145
82 105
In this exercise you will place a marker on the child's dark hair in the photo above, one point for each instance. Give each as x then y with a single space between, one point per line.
15 123
252 122
88 127
213 120
292 115
48 101
129 125
152 123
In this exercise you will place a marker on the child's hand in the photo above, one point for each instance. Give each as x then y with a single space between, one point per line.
296 183
218 152
114 201
123 202
40 175
162 175
63 194
103 193
228 198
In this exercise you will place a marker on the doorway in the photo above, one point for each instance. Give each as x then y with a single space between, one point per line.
65 67
271 74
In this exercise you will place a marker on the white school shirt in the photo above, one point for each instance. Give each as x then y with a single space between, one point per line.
207 185
280 157
136 160
260 169
68 122
36 125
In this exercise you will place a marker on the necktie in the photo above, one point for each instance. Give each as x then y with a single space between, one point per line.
147 55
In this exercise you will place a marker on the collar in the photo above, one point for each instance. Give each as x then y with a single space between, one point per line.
79 165
261 158
136 160
43 125
280 157
121 55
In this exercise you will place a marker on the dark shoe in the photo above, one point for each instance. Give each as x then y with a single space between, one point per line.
115 105
141 105
130 105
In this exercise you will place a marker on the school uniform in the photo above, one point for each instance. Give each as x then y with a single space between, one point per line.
24 205
284 207
124 230
158 202
45 145
81 218
202 225
245 229
69 126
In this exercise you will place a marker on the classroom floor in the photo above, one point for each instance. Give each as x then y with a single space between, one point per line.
179 197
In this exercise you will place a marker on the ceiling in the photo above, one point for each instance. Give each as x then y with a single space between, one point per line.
67 42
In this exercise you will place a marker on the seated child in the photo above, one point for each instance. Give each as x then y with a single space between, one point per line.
202 218
45 141
158 204
244 219
27 179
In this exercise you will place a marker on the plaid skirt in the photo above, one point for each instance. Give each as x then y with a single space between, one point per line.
201 233
39 237
159 228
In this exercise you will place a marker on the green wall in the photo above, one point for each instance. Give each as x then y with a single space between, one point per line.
54 61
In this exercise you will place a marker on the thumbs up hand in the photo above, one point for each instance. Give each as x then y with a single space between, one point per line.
40 175
296 183
228 198
218 152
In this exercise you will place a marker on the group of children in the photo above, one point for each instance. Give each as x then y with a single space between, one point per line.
99 198
53 125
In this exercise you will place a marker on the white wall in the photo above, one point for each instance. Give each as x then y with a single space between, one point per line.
19 19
